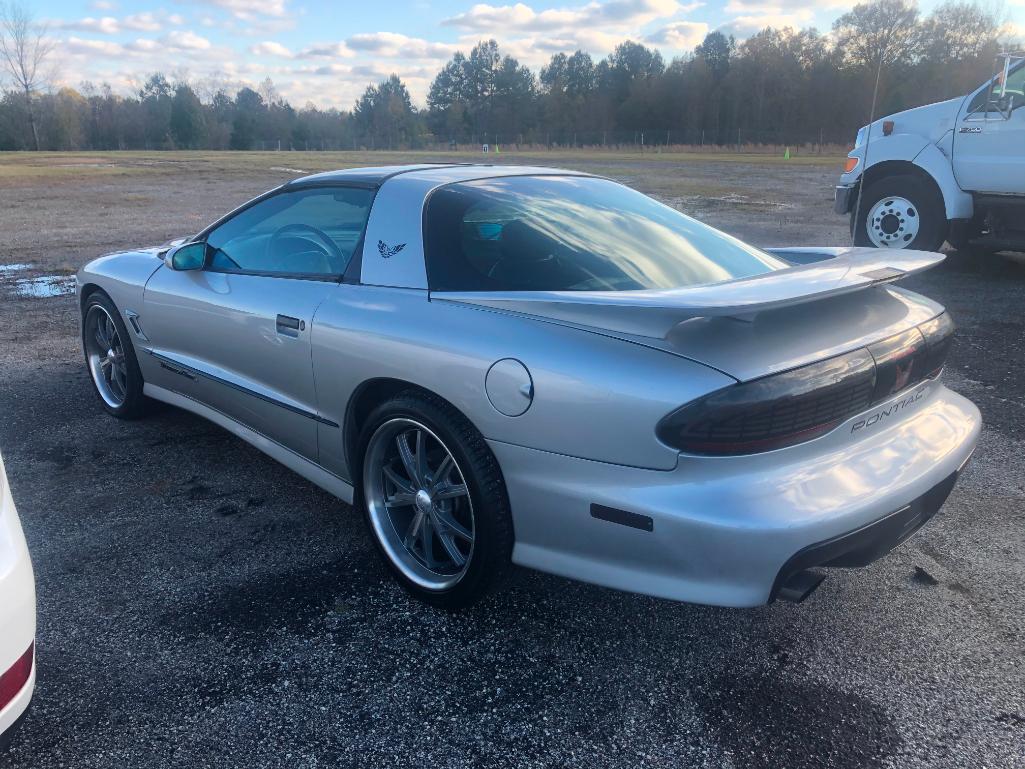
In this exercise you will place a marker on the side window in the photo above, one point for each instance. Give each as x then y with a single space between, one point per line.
307 232
986 99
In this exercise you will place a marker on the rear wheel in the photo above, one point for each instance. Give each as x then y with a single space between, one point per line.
110 357
900 212
435 501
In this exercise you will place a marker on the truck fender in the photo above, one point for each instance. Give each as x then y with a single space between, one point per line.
909 149
956 201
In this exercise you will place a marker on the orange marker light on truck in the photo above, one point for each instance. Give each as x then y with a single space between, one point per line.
850 164
887 127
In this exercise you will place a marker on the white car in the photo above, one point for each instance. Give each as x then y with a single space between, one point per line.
17 615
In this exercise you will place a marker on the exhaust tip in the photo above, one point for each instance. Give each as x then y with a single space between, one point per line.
800 585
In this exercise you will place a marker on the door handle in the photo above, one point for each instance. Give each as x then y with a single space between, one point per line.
290 326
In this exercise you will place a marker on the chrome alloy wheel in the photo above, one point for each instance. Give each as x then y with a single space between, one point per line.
893 223
418 503
106 355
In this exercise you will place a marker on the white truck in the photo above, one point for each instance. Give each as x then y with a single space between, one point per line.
952 171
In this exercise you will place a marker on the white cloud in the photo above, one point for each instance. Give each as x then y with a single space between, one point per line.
742 26
144 22
109 25
143 45
251 9
396 46
103 5
679 35
326 51
615 13
270 48
783 7
185 40
102 47
106 25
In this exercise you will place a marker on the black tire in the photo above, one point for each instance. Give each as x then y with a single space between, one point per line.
134 404
491 555
927 207
962 232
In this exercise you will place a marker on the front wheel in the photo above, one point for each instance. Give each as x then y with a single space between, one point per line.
110 357
435 501
900 212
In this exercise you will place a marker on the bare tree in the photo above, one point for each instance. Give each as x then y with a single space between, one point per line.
879 33
24 48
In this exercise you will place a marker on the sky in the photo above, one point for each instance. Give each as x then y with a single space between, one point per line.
328 52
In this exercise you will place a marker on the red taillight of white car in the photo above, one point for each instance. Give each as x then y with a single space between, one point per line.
801 404
13 680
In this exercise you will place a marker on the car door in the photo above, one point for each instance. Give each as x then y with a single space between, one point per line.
989 145
235 335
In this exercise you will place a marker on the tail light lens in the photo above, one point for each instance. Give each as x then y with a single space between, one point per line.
939 337
15 678
801 404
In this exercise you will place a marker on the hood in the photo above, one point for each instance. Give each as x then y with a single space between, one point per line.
931 121
748 327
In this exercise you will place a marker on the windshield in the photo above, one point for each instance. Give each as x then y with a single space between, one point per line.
571 233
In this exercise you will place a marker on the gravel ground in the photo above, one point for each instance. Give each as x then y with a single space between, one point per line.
199 605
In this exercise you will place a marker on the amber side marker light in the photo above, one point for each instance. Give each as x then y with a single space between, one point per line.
850 164
887 127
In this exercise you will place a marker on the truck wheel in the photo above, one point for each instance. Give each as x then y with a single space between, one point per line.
900 212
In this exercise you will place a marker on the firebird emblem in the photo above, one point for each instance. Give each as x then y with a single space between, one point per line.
389 251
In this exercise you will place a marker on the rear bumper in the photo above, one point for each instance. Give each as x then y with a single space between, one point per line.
843 197
721 530
869 543
17 603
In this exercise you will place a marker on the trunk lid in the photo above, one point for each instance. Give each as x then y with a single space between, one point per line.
748 327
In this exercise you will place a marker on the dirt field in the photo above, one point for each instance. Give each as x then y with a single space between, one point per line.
201 605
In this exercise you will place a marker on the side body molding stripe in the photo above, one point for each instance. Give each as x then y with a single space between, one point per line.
182 368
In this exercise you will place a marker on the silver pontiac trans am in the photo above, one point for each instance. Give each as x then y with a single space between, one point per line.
524 365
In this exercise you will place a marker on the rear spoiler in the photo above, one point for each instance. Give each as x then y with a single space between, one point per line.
653 313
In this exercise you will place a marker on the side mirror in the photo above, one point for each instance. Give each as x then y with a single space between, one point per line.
190 256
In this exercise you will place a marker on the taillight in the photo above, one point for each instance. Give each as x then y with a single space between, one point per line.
939 336
15 678
900 360
795 406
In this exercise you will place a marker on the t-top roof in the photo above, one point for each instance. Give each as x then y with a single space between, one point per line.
441 172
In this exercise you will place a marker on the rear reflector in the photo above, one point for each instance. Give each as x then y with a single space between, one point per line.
14 680
801 404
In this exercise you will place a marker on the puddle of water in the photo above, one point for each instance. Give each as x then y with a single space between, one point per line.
290 170
44 286
6 269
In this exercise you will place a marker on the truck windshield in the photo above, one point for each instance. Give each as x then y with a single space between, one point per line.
571 233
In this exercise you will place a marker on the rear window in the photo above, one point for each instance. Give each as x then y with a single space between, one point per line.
566 233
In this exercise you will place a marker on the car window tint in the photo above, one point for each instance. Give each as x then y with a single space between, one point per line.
306 232
573 234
